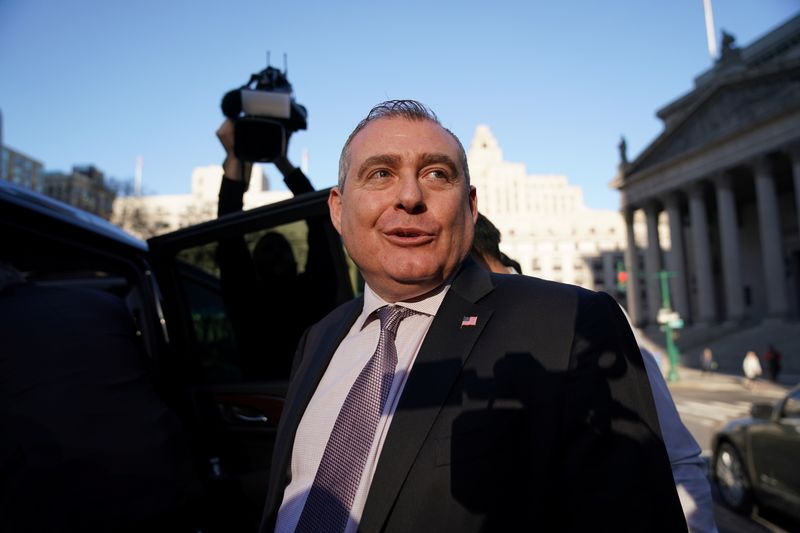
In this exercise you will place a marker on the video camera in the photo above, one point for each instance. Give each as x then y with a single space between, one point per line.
264 114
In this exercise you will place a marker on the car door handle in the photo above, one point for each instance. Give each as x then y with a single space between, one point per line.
241 414
247 408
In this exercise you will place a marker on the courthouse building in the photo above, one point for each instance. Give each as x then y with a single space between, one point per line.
724 174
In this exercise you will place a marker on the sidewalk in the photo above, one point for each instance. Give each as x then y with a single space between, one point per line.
729 346
695 379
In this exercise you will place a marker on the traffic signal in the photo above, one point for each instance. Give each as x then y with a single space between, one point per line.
622 277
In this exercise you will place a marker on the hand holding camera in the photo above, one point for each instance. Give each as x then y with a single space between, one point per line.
261 116
264 115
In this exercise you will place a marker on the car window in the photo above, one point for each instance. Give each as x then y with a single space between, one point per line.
249 298
52 253
791 409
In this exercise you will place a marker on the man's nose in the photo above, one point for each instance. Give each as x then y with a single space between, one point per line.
410 196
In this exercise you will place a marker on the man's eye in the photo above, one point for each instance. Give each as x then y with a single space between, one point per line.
380 174
437 174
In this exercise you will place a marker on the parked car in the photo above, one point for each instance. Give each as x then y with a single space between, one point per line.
757 460
226 380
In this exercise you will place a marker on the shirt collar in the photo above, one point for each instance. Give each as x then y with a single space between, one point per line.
427 306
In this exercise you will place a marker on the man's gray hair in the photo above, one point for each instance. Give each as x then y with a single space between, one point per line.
407 109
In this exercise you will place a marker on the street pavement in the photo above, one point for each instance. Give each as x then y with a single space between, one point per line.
706 402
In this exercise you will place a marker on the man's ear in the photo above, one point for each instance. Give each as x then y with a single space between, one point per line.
473 203
335 207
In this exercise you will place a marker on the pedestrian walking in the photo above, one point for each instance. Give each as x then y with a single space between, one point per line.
707 363
752 369
773 359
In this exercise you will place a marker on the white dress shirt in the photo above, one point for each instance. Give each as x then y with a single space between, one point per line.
317 423
688 467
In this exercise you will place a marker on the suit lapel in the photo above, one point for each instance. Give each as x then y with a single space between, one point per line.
438 364
316 358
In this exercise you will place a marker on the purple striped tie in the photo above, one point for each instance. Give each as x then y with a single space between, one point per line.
331 496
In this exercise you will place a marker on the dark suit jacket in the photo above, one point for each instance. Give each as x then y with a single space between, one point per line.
539 417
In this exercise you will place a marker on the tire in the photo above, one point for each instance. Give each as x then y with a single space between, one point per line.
732 481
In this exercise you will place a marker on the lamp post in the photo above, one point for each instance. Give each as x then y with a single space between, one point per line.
670 321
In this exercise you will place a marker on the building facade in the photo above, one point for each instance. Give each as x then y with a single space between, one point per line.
544 222
21 169
147 216
725 175
85 187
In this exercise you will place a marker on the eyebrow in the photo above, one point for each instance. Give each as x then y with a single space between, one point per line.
439 159
378 160
391 160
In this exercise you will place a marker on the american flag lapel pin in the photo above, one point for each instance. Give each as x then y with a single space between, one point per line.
468 321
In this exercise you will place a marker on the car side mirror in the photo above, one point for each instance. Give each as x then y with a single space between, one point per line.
761 411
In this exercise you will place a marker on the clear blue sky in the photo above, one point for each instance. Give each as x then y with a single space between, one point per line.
100 82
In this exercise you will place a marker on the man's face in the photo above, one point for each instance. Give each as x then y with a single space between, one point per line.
406 215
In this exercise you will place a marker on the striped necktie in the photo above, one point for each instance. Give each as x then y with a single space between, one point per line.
327 508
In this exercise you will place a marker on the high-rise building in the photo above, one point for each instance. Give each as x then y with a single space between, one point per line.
544 222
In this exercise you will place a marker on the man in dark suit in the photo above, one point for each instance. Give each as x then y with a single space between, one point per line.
448 398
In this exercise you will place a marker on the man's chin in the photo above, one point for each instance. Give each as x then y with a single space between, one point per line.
409 292
418 283
423 274
394 286
414 274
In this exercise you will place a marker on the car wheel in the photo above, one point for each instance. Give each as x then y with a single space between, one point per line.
732 481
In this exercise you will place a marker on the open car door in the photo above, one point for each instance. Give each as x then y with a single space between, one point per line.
237 294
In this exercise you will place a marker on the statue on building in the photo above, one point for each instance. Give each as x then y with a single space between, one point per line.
730 52
728 41
623 151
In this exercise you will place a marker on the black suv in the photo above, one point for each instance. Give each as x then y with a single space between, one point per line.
217 323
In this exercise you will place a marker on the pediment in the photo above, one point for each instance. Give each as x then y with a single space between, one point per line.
740 104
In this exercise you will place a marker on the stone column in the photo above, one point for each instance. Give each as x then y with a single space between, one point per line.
702 256
771 245
729 241
794 154
652 262
632 265
676 259
609 272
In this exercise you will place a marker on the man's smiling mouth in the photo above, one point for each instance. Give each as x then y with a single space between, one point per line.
408 236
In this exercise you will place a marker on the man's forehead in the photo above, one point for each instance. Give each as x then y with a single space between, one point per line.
402 130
